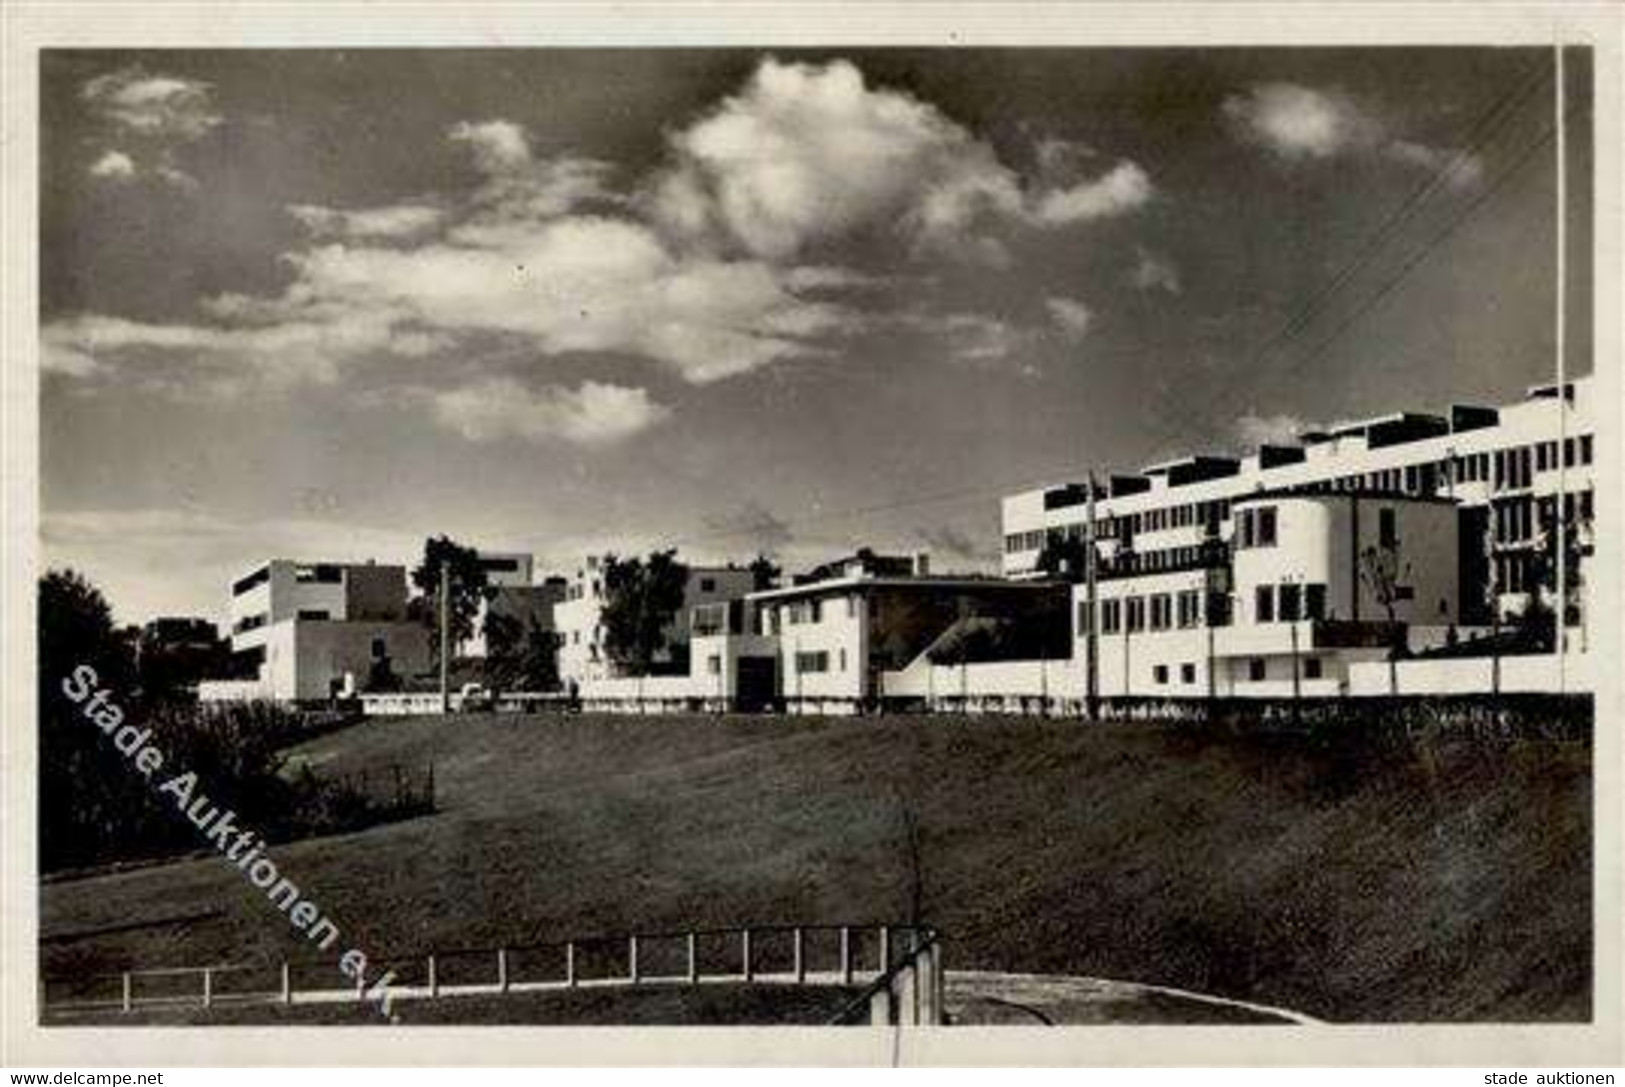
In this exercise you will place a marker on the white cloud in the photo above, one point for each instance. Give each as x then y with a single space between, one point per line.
701 271
1154 273
1072 317
498 146
154 105
809 153
1253 430
1298 123
222 359
976 337
1121 189
1464 169
392 221
501 408
115 165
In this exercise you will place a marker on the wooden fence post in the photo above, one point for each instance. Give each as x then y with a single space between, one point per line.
632 959
287 982
885 948
693 959
502 968
129 1001
208 987
434 978
745 946
800 958
570 964
846 954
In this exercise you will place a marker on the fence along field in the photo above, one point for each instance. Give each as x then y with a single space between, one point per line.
1437 876
878 973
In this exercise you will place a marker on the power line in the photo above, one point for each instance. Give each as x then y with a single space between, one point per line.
1489 125
1432 244
1478 137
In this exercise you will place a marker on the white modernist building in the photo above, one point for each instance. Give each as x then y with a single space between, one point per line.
831 641
313 630
513 593
578 617
1299 569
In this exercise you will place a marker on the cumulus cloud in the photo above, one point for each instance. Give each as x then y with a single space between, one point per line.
707 269
1253 429
1154 273
593 413
1121 189
1297 123
115 165
150 104
1070 316
809 153
159 112
498 146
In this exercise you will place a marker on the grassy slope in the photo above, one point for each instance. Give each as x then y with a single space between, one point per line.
1450 883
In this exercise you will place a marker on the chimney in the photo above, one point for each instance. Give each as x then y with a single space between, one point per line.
922 564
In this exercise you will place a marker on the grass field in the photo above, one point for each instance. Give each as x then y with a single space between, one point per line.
1443 882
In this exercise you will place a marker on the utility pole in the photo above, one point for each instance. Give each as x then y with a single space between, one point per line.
1297 690
1092 651
445 638
1559 622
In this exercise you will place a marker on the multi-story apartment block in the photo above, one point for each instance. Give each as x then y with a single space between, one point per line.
579 617
1220 575
311 630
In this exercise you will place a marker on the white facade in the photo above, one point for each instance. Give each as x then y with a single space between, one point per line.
1500 467
315 629
578 616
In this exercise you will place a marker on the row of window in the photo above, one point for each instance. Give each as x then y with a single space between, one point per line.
1255 527
1161 561
249 622
816 661
1506 469
1289 602
802 612
1311 668
1164 610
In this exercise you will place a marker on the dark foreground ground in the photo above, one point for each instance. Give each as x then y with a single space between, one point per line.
1440 881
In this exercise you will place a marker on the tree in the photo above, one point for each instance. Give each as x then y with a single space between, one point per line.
89 800
466 587
1542 571
1065 557
641 601
1385 574
764 573
520 657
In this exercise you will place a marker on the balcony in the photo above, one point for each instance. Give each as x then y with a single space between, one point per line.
1210 554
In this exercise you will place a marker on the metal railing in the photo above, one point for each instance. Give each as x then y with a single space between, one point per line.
840 956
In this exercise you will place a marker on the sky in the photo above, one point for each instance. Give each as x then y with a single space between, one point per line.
324 303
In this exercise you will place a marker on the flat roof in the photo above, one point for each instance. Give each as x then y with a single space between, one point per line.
838 584
1371 494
